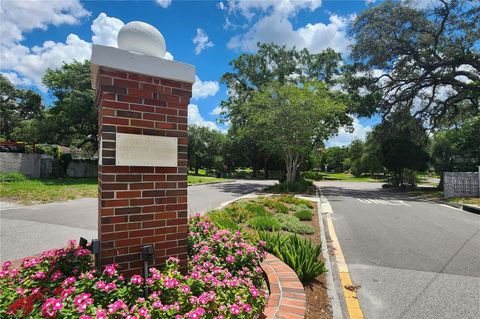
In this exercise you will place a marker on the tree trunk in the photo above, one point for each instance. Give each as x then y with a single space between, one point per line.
196 170
292 162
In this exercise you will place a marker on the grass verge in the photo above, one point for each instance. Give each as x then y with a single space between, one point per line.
48 190
31 191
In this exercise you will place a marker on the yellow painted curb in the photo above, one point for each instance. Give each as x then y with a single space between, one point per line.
351 300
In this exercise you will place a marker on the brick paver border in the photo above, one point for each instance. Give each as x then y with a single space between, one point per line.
287 296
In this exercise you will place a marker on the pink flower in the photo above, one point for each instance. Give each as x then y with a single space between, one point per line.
235 310
101 314
247 308
185 289
56 275
51 306
110 270
230 259
136 279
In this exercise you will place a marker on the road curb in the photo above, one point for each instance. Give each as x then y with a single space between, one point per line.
331 290
350 300
209 183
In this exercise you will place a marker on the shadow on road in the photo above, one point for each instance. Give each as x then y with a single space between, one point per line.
238 188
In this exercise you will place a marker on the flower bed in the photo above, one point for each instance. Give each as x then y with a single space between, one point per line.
224 280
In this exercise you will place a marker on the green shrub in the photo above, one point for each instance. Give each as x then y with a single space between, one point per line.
264 223
316 176
12 177
256 209
295 200
302 256
298 253
223 221
300 186
278 207
299 207
293 224
238 212
305 214
272 240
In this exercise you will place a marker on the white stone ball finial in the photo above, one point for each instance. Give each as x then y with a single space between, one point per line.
143 38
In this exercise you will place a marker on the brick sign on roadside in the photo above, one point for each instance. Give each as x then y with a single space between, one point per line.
143 102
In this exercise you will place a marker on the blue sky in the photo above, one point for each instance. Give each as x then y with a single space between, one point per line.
36 35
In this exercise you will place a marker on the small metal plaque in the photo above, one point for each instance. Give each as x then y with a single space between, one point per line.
146 150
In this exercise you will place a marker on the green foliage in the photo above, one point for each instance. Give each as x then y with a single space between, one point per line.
293 224
206 148
292 120
334 158
250 72
395 48
399 155
295 200
273 240
302 256
299 207
316 176
456 149
12 177
73 118
17 106
223 220
272 203
264 223
255 209
300 186
305 214
298 253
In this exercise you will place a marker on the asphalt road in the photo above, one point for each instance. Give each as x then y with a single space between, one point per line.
29 230
412 259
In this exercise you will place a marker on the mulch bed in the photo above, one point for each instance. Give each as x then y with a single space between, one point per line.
318 302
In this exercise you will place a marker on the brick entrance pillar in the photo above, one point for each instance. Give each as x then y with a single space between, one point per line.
142 174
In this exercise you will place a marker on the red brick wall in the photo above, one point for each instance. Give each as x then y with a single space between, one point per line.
141 205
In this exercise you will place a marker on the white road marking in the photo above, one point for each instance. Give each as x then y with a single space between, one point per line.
392 202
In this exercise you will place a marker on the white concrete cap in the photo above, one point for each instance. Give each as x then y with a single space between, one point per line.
129 61
143 38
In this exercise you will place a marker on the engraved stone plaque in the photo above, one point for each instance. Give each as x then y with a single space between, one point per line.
145 150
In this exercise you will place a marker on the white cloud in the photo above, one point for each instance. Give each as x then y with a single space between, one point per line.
221 6
18 17
31 65
367 2
15 79
195 118
105 30
26 66
164 3
344 138
217 111
202 89
277 28
285 8
201 41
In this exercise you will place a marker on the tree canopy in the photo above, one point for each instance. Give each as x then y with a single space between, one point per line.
425 60
17 106
294 120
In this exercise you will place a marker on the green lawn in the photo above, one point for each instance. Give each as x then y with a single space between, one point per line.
198 179
33 191
350 178
48 190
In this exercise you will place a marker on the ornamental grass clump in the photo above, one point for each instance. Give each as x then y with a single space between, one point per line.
297 252
224 280
293 224
264 223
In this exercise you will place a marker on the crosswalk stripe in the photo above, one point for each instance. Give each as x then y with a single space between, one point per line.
392 202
